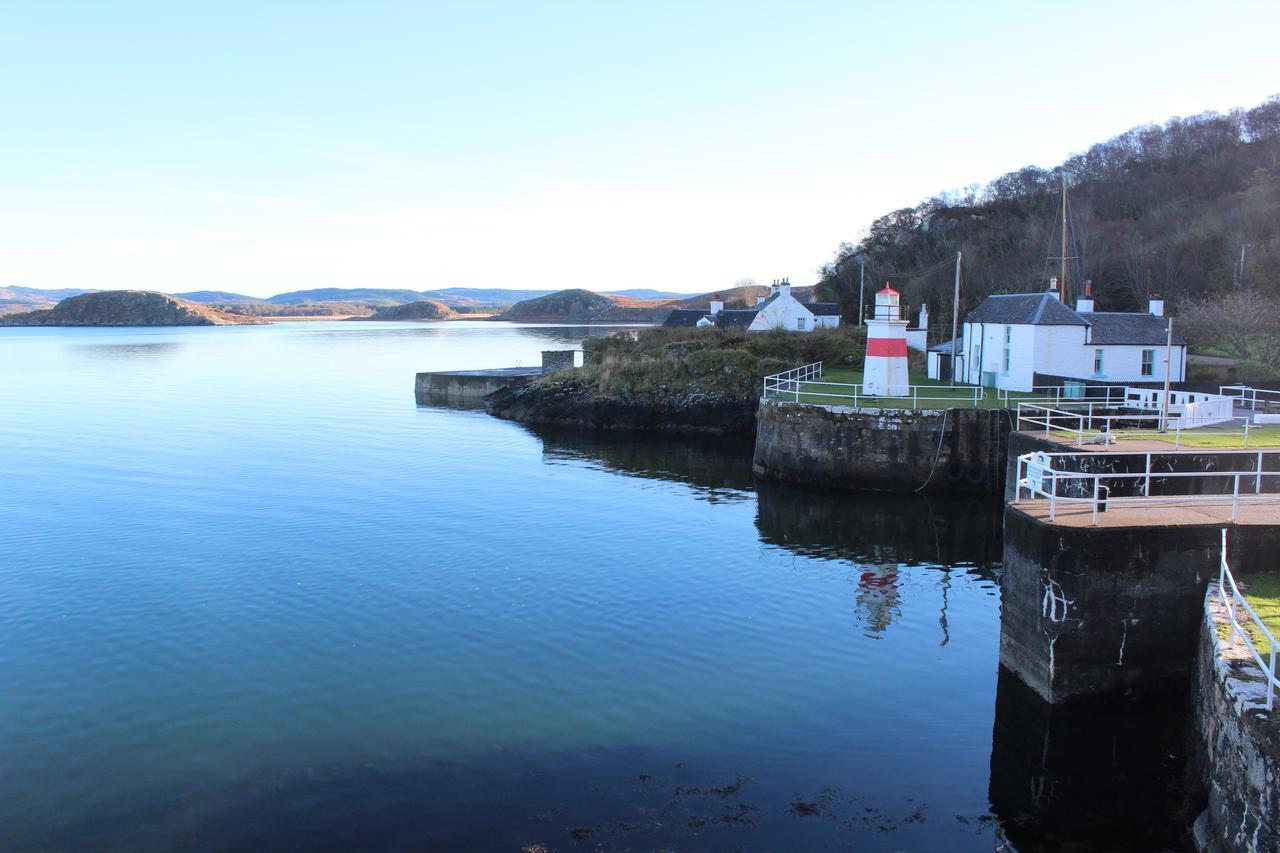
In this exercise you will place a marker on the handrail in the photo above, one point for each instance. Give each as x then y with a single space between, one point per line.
1034 417
1034 470
1247 396
1229 602
804 380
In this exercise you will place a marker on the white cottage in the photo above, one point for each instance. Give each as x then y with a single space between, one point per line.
1015 341
780 310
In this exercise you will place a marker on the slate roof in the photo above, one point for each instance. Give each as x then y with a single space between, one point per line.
1025 309
736 317
685 317
1130 328
945 347
823 309
1133 328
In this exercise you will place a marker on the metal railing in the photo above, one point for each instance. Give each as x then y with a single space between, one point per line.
805 382
1058 395
1235 600
1092 423
1038 476
790 381
1251 398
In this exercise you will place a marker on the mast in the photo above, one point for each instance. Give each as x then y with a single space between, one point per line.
1063 274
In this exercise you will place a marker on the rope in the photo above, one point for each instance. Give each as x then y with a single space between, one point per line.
942 433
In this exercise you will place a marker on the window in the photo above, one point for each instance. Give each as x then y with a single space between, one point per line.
1148 362
799 324
1097 362
1008 337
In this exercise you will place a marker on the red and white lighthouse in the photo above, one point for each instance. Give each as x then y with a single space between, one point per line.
884 373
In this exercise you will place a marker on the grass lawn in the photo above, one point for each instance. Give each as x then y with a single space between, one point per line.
1263 595
944 396
1262 436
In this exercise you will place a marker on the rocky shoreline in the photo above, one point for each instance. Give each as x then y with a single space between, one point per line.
568 403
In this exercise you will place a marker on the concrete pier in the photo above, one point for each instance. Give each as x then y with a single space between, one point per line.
470 387
461 387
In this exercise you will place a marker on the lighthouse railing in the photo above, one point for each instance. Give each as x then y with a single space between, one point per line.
807 382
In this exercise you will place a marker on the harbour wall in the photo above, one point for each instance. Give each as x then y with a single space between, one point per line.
1088 611
1236 753
898 450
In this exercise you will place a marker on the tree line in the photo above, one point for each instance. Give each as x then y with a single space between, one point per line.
1188 209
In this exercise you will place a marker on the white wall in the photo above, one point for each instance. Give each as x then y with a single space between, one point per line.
783 311
1056 351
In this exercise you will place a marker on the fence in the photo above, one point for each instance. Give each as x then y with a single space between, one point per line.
1199 407
1090 421
1252 399
1059 395
805 381
1096 490
1230 603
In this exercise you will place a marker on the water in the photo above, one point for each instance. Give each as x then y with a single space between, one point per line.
252 597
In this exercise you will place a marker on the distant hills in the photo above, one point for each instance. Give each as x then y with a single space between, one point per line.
328 300
585 306
126 308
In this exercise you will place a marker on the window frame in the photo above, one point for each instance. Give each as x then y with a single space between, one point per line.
1148 363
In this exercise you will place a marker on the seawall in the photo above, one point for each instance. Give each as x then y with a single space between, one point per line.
1236 754
1088 611
898 450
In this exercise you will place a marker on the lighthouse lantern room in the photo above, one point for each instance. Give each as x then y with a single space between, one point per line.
884 373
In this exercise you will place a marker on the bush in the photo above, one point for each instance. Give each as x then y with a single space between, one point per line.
728 361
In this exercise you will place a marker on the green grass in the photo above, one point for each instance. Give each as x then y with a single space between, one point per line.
1262 436
1263 594
946 397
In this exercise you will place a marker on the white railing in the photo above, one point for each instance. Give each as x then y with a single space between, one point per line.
1059 395
804 381
1089 424
1230 603
1200 406
1041 479
790 381
1251 398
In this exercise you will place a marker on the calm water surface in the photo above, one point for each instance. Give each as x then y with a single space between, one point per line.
252 596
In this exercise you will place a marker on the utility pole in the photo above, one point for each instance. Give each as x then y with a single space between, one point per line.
1168 369
955 320
862 282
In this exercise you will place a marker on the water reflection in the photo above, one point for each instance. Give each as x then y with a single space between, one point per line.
131 351
717 469
1088 775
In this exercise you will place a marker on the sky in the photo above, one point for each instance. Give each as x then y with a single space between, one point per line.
261 147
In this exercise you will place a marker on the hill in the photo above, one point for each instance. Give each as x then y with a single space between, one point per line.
219 297
424 309
584 306
371 296
126 308
1169 208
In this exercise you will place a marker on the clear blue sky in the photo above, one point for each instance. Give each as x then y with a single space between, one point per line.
263 147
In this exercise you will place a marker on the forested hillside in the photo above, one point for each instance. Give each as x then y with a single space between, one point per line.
1163 209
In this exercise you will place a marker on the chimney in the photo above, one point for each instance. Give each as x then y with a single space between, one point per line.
773 288
1155 304
1085 303
1053 288
924 316
717 305
784 287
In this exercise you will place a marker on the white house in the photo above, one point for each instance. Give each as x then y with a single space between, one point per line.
780 310
1015 341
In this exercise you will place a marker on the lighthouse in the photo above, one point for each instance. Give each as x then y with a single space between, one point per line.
884 373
